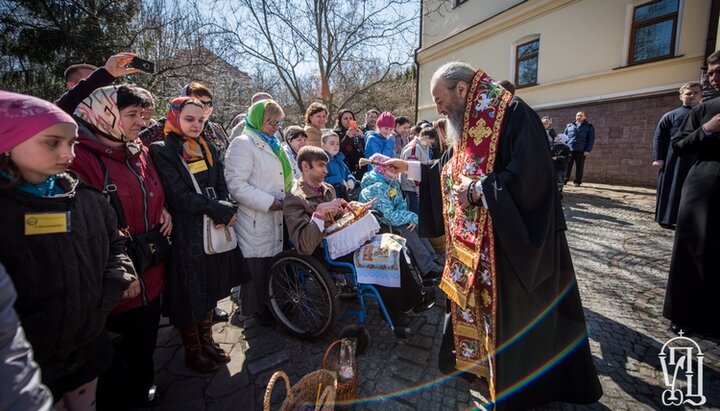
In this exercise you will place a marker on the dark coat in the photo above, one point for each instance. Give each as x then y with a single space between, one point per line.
195 281
534 272
672 174
694 279
66 283
353 147
560 153
582 137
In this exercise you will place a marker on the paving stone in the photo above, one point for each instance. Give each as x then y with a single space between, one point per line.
267 363
621 259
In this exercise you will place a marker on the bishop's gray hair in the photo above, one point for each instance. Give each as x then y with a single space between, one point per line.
453 73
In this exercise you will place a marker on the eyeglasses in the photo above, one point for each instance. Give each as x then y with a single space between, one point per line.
207 103
276 123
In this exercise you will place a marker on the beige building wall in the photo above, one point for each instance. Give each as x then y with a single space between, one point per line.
583 48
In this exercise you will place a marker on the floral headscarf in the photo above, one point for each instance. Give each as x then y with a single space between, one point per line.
194 149
100 110
380 158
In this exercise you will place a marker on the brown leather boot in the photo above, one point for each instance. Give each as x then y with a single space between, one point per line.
195 358
209 346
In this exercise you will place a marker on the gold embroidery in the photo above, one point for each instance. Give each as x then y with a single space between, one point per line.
480 131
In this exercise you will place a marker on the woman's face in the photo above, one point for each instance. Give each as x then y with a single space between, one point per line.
346 119
47 153
318 119
272 124
298 142
192 120
131 122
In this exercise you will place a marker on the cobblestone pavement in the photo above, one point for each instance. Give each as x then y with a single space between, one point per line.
621 258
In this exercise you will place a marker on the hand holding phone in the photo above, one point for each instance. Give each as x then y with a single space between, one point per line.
353 124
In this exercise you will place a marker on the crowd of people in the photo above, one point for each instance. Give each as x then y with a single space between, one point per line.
107 209
131 195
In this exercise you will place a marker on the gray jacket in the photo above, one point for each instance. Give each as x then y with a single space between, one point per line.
20 386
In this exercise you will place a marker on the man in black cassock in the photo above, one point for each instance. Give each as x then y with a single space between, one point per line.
540 352
672 168
691 298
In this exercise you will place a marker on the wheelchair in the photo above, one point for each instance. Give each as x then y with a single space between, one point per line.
304 296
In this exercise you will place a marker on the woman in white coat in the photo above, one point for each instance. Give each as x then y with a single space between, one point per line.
258 174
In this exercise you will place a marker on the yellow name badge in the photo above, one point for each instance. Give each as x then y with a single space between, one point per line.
197 166
47 223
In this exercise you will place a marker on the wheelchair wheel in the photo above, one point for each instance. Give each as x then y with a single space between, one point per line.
303 298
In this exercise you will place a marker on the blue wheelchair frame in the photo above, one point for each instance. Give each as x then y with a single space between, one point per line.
363 290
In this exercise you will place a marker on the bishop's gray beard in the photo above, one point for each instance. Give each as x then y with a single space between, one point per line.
454 127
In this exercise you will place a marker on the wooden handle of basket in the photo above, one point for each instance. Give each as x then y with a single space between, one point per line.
327 400
324 363
271 385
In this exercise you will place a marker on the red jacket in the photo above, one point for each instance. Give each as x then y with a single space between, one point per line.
141 195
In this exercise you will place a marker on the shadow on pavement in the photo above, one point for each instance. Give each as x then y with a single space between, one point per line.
618 344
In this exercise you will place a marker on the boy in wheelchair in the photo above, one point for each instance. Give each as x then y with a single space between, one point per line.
305 209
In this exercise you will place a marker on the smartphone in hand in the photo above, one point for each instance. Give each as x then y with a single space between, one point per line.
142 64
353 124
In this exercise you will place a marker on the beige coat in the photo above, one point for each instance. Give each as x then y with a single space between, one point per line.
314 134
300 204
254 178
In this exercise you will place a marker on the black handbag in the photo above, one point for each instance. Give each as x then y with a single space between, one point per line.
145 250
148 249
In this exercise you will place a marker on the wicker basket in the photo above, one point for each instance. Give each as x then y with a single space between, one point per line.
315 391
346 391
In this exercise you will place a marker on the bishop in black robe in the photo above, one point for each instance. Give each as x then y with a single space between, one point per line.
539 316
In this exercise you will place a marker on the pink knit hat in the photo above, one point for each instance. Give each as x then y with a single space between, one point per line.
22 117
379 158
385 119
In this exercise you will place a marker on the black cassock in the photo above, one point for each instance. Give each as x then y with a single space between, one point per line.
534 272
691 299
675 168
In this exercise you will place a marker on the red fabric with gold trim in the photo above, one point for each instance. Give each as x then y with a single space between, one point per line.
469 277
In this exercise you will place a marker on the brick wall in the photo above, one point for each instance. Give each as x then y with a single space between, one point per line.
624 130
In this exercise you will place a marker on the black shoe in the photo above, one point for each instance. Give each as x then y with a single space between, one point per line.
428 300
577 184
219 315
677 328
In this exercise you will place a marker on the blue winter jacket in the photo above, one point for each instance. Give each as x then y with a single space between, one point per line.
580 138
390 201
338 171
376 143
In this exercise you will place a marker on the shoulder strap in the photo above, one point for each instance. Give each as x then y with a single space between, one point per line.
192 177
110 190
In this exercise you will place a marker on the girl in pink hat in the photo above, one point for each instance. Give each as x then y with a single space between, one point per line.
61 248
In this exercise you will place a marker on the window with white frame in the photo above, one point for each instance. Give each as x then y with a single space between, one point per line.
654 31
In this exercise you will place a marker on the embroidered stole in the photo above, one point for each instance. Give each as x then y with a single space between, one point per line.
469 277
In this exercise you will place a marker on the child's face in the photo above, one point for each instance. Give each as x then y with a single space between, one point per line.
424 140
45 154
385 131
403 130
391 172
331 145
